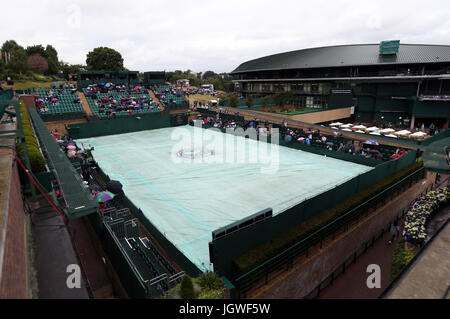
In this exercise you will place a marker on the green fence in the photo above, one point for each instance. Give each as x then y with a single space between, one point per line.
435 138
227 248
77 198
261 275
119 126
436 156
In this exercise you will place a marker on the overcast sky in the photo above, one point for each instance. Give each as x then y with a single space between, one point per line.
216 35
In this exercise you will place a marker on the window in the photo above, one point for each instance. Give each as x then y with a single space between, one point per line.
294 87
314 88
266 87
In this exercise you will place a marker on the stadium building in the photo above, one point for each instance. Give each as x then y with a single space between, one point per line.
388 82
284 234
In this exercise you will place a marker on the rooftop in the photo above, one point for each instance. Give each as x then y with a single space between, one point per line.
347 55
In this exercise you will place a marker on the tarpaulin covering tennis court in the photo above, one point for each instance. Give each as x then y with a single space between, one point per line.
188 189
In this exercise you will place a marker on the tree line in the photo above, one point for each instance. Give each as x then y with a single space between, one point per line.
221 81
36 61
33 62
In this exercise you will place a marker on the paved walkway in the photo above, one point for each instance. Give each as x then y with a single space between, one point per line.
352 284
94 267
53 253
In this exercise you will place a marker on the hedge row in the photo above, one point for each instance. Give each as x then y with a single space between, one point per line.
400 258
37 160
264 252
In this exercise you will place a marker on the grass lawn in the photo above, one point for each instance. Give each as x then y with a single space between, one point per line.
40 82
24 85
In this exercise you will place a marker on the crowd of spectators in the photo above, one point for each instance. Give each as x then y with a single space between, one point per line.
335 142
217 122
120 98
52 96
168 94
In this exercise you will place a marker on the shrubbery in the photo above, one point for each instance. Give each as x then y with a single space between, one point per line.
400 258
37 160
206 286
187 288
264 252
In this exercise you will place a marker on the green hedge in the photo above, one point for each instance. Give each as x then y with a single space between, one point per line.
400 258
264 252
37 160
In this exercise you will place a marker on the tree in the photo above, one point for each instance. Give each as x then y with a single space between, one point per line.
37 63
104 58
223 100
187 288
10 46
249 101
208 75
18 57
36 49
2 66
234 100
52 59
289 98
19 61
276 98
265 100
68 68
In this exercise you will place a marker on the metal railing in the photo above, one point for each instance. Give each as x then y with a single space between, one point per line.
260 275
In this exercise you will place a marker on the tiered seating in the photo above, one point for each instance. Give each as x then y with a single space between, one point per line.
63 108
148 107
165 93
153 268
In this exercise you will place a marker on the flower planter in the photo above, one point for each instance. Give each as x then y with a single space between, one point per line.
421 212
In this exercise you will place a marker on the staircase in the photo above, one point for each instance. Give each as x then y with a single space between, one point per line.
85 104
153 96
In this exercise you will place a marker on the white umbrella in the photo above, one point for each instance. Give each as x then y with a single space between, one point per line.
387 130
360 127
334 128
373 128
346 126
404 132
375 133
391 135
346 129
418 134
335 124
360 131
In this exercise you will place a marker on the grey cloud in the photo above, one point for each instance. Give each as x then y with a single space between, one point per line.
217 35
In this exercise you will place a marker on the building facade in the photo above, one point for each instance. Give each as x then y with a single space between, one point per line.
389 82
